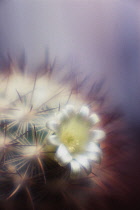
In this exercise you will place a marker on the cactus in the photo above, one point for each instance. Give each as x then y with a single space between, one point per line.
50 138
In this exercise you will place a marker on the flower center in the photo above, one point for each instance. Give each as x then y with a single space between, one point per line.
74 134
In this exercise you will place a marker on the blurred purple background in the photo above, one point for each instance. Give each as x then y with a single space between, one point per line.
100 37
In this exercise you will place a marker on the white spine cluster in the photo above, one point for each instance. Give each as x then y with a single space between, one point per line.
37 122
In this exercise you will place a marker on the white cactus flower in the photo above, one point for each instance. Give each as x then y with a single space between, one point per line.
76 139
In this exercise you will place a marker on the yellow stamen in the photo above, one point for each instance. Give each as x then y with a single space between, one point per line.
74 133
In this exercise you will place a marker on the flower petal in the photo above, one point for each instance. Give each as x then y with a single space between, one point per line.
52 125
84 112
63 156
93 119
97 135
70 109
75 169
53 140
84 162
93 157
92 147
62 116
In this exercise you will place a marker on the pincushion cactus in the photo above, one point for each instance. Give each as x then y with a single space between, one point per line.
32 145
52 141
